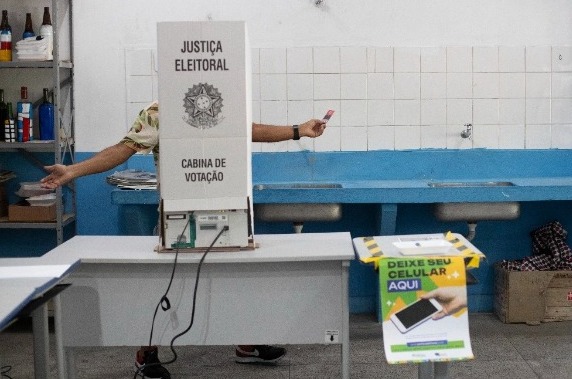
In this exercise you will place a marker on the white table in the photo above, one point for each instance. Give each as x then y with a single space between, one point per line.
292 289
33 281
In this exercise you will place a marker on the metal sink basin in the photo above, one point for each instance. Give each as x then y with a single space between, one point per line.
473 212
278 186
298 212
469 184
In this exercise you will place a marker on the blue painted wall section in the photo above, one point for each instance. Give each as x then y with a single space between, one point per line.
98 215
369 178
412 165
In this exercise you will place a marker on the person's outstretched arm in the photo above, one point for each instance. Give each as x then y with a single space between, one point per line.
104 160
272 133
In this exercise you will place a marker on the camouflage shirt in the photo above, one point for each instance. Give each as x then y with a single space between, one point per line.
143 136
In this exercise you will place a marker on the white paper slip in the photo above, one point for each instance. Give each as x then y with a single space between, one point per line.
424 247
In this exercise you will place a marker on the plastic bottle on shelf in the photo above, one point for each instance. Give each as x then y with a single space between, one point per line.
10 126
3 114
28 29
47 31
46 118
5 39
25 117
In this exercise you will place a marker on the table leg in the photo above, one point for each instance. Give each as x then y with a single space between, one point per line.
41 341
345 322
69 355
59 337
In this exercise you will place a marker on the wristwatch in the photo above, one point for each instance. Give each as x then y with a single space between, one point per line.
296 132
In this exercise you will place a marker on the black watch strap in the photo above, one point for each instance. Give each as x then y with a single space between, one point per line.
296 132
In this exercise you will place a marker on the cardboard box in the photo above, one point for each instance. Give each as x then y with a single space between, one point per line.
532 296
22 212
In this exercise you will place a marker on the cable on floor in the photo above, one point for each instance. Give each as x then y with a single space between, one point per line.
165 304
4 370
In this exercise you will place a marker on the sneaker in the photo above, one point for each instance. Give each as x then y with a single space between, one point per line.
149 355
260 354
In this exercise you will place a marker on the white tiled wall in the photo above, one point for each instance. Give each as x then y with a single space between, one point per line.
396 98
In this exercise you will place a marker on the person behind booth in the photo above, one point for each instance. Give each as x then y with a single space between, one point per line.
143 137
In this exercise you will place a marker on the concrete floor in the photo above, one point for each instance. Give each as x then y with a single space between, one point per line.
503 351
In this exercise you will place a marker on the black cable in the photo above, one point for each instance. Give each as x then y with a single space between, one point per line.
164 297
4 370
144 366
194 296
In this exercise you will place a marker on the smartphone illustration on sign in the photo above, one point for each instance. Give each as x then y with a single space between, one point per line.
328 115
415 314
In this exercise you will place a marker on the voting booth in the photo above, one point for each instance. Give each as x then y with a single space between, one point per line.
205 134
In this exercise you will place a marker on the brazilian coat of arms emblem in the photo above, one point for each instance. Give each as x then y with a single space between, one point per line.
203 106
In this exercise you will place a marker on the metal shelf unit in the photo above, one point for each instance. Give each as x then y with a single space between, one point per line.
61 72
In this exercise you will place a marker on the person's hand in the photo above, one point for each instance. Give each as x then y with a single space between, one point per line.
59 175
452 299
312 128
